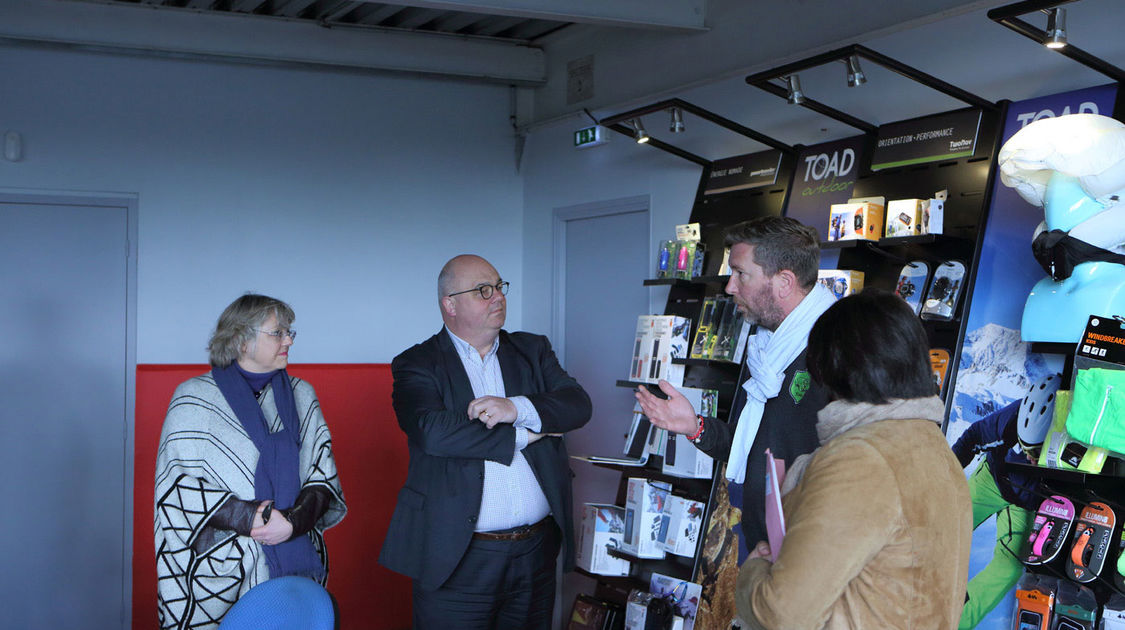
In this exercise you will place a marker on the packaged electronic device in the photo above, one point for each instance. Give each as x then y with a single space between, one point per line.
939 364
841 282
1050 531
644 504
681 457
1091 542
666 257
912 283
904 217
704 329
602 529
861 220
682 522
945 291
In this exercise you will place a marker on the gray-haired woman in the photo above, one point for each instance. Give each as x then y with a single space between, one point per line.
245 477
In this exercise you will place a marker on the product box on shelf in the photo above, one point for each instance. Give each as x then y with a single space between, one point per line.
861 220
642 349
681 457
688 232
644 505
933 216
904 217
681 522
603 528
841 282
658 340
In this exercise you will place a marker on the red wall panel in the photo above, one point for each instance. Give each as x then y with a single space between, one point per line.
371 457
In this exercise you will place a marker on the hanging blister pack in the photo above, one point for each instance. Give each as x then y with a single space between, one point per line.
1076 608
945 291
1113 613
1092 540
1050 530
1035 596
912 283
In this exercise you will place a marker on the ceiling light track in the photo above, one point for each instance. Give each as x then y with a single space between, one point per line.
850 55
1009 16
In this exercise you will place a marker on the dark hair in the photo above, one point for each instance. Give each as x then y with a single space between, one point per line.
236 325
870 347
780 243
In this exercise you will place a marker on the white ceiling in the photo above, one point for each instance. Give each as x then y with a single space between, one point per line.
642 51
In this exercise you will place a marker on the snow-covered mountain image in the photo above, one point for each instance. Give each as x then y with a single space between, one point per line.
996 368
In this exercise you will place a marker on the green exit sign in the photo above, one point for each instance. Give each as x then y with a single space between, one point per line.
589 137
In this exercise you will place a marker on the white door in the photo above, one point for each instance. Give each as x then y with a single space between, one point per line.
66 380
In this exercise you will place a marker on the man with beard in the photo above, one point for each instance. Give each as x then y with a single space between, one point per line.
487 500
773 264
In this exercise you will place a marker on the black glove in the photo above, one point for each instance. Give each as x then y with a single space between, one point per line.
236 515
311 504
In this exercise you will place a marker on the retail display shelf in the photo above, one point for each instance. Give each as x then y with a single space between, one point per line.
671 282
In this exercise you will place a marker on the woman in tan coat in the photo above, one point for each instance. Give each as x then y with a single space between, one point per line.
878 518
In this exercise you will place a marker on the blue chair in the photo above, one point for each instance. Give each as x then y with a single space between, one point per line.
285 603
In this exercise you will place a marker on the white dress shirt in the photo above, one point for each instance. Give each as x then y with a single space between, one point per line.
512 496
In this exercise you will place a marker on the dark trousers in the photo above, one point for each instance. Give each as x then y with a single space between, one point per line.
499 585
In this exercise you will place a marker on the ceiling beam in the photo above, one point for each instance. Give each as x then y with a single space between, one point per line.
240 37
680 15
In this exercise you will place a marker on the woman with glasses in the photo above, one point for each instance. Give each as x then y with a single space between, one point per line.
245 478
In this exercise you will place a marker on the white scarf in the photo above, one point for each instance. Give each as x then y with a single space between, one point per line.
768 354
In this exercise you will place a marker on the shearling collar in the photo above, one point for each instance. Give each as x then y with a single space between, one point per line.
840 416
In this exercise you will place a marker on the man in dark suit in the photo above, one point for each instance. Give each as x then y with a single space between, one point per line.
487 500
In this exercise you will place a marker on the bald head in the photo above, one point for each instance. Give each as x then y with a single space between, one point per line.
447 279
468 315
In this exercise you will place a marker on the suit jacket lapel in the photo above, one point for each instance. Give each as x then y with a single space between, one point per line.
509 367
459 385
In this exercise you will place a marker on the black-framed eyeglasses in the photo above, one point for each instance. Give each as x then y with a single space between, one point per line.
278 334
486 290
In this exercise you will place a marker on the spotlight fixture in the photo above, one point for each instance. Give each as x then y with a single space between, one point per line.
639 133
677 124
855 73
796 96
1056 28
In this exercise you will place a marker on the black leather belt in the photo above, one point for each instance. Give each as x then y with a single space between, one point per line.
516 533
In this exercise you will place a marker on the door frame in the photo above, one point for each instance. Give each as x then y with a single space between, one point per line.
609 207
130 203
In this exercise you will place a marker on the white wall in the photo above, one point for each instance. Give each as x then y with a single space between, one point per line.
556 175
340 193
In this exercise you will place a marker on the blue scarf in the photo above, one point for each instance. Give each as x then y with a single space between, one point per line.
277 476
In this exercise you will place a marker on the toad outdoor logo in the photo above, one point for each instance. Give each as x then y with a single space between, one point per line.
799 386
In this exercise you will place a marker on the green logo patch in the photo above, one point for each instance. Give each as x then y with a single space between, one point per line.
799 386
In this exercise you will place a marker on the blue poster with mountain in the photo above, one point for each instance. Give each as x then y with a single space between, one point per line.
996 366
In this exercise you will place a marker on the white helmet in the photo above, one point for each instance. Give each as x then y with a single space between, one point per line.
1036 412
